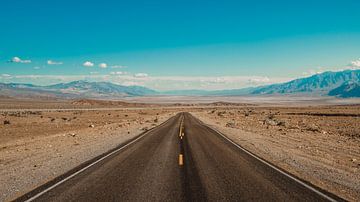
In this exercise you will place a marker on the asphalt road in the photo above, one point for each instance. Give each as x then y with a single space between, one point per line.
181 160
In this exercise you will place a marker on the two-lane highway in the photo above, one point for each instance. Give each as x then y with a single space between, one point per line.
181 160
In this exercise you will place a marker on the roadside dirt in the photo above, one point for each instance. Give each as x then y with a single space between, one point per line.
37 146
319 144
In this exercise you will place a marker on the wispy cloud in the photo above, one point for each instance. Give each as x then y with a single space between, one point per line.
141 75
259 80
118 73
19 60
88 64
118 66
37 67
317 70
103 65
355 63
51 62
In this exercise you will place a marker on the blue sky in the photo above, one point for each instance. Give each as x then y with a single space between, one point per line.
176 44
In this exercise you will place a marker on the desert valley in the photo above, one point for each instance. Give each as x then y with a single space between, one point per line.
41 140
179 101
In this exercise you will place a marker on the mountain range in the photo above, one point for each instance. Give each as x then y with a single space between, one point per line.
315 84
75 89
341 84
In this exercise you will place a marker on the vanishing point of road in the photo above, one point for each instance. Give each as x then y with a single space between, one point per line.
180 160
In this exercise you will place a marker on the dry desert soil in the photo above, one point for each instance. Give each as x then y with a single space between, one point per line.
40 140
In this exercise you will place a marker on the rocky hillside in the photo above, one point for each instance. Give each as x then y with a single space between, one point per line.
75 89
349 89
317 84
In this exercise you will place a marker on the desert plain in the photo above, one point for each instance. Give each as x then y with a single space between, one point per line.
315 140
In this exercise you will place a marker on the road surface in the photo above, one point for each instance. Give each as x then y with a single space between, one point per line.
180 160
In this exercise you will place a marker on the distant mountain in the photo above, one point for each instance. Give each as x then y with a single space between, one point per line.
75 89
348 89
27 91
341 84
105 88
316 84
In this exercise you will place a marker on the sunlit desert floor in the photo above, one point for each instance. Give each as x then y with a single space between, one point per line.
317 140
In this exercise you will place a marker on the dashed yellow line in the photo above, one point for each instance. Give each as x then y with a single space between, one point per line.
181 135
181 160
181 127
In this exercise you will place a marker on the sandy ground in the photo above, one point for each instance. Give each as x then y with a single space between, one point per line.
318 144
38 146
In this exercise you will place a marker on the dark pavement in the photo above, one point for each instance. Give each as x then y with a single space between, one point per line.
213 169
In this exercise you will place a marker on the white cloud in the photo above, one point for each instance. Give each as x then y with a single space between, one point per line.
118 66
317 70
259 80
88 64
141 75
355 63
18 60
51 62
37 68
15 59
103 65
5 75
118 73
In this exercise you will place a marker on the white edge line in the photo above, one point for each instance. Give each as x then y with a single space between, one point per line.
90 165
133 141
273 167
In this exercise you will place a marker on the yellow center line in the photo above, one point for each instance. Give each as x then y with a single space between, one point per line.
181 126
181 134
181 160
